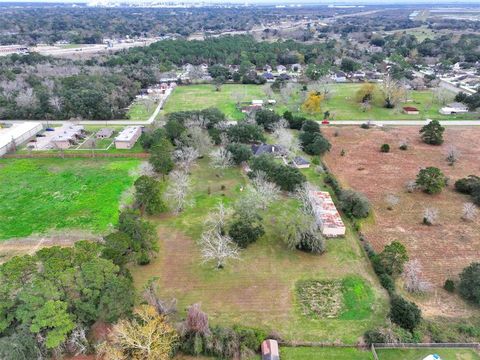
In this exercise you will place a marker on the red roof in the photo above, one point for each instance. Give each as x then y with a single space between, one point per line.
410 108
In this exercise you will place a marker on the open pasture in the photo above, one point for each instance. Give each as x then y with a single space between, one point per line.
443 249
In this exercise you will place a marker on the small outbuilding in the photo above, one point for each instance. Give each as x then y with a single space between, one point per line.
433 357
104 133
411 110
270 350
301 163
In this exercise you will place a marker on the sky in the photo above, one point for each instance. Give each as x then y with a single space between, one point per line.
320 2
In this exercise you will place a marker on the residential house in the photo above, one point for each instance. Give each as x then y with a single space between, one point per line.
104 133
267 149
67 135
281 69
339 77
127 138
268 76
257 102
267 68
454 108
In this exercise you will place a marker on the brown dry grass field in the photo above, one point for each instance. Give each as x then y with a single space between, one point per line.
443 249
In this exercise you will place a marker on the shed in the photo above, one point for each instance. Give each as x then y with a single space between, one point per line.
127 138
454 108
301 163
270 350
411 110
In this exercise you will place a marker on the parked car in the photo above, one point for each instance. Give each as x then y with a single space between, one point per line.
49 129
325 122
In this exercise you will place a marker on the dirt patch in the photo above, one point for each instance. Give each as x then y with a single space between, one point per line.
444 249
29 245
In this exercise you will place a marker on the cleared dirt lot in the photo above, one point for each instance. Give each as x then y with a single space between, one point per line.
444 249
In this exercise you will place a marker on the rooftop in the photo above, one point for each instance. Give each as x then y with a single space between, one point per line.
128 133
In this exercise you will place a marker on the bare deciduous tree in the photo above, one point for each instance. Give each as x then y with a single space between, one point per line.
287 141
452 155
178 190
413 277
146 169
392 201
266 191
200 140
411 186
27 98
197 320
469 211
392 91
442 96
162 307
430 216
218 247
185 157
221 158
56 103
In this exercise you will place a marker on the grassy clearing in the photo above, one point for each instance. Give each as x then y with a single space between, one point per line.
141 109
260 287
198 97
342 105
313 353
419 354
38 195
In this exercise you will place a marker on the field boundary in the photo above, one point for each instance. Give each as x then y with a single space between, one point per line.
475 346
76 155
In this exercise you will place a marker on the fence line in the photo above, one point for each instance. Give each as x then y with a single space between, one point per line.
427 345
77 155
374 352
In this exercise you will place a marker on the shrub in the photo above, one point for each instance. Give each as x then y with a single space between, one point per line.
431 180
245 231
467 185
267 118
469 286
311 126
403 145
449 285
314 145
333 183
385 148
365 126
387 282
354 204
404 313
374 337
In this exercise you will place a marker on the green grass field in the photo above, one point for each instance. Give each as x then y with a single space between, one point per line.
315 353
343 105
38 195
141 110
197 97
258 289
419 354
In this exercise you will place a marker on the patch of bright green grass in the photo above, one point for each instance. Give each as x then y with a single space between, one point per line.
358 299
38 195
419 354
198 97
324 353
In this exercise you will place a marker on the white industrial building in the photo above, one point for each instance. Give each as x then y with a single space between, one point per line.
12 137
127 138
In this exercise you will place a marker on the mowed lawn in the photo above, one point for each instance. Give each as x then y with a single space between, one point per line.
38 195
343 105
419 354
324 353
258 289
141 109
198 97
